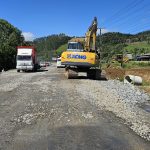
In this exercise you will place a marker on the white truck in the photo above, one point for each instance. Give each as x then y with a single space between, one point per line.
59 65
26 59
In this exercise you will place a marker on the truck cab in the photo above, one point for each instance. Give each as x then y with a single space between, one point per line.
26 58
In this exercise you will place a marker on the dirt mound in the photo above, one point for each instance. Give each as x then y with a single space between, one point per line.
115 73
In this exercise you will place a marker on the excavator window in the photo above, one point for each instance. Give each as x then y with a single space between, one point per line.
72 46
75 47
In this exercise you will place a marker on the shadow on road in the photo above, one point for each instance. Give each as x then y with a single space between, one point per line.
79 138
39 70
102 78
42 70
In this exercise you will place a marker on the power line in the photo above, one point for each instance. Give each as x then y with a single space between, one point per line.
136 23
136 20
139 26
128 7
146 27
128 15
116 13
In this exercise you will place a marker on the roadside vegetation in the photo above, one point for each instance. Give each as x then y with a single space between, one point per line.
61 49
10 38
128 65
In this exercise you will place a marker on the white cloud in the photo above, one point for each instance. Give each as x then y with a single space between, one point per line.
102 31
28 36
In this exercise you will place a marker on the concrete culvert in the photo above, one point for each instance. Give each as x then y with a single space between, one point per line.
133 79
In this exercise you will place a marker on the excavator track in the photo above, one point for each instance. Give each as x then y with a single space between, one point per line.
94 74
91 73
70 73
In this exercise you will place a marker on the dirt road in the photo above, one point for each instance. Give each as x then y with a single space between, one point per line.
45 111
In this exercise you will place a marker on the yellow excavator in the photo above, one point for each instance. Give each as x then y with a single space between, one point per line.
82 55
120 58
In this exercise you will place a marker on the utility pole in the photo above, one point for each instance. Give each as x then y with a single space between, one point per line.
100 34
100 44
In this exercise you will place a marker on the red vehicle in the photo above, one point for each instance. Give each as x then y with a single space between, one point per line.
26 58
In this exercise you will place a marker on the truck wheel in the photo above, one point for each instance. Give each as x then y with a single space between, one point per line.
35 70
18 70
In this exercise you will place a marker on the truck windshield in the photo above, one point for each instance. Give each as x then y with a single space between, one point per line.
23 57
75 47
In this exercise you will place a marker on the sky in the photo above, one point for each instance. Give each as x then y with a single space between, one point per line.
38 18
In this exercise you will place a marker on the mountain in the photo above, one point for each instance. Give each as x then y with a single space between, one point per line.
117 38
46 46
113 42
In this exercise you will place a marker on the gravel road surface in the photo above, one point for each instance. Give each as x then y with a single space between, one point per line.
45 111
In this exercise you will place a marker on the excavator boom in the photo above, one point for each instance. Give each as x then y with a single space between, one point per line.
90 39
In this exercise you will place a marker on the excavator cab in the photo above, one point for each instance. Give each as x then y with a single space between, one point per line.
75 47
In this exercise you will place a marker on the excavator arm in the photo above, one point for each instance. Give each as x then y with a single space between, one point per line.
90 39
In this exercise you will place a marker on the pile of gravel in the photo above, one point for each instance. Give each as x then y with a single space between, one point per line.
121 99
126 91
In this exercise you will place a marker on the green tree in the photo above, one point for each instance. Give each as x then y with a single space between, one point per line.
10 38
47 46
61 49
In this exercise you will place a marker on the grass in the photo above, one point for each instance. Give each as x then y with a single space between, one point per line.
136 64
61 49
140 47
114 65
146 86
121 79
145 83
128 65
